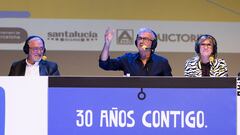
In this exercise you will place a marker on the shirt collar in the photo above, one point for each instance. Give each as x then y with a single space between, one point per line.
35 64
137 57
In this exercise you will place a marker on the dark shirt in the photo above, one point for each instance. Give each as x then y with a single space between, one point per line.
131 64
205 69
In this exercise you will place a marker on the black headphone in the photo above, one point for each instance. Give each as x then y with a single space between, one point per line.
154 41
26 46
206 36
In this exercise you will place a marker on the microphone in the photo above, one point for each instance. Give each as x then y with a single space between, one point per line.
211 59
44 57
146 48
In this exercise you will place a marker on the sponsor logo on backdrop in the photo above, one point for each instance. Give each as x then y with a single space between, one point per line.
125 36
177 37
74 36
12 35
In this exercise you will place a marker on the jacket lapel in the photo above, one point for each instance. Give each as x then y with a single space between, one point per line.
22 67
43 68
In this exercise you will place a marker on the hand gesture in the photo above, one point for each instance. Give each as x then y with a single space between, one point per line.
108 36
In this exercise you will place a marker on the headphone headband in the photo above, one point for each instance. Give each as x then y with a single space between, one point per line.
204 37
26 45
154 41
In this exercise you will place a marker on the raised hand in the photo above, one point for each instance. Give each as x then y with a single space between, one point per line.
108 36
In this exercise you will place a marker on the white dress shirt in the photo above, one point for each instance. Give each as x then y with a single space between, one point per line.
32 70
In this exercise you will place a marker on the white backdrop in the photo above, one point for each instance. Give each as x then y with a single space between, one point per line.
67 34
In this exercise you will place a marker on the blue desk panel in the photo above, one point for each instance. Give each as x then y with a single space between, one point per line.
119 111
2 111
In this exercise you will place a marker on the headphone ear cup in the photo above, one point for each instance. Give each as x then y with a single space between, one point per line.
136 41
197 49
197 44
214 46
154 44
26 48
44 50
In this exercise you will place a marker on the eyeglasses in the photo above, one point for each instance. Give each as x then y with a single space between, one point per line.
206 45
145 39
36 48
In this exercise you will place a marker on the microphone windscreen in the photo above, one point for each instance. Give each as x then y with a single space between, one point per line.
44 57
211 58
144 47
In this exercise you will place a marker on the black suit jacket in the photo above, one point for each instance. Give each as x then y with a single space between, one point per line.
46 68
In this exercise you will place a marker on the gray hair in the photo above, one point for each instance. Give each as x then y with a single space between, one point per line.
142 30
